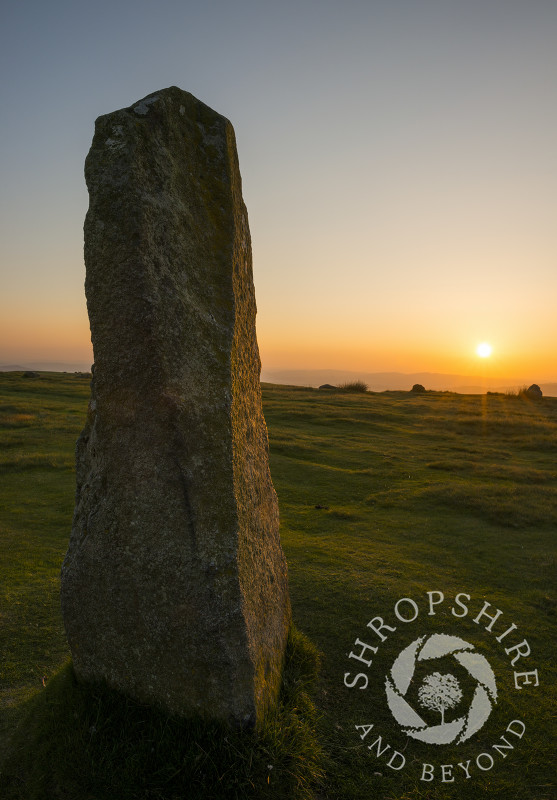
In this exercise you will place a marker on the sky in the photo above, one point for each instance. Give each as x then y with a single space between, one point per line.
398 160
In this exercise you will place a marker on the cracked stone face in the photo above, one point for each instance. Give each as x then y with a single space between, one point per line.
174 586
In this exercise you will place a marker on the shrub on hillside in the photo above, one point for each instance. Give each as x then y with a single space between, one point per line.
354 386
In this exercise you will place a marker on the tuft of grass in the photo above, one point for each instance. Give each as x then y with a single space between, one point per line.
518 392
354 386
89 741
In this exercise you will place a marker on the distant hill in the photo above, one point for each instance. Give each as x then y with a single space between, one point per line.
377 381
47 366
400 381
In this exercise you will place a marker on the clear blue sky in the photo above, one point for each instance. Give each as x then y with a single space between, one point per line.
398 159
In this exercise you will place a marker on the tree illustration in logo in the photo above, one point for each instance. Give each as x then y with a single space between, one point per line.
439 692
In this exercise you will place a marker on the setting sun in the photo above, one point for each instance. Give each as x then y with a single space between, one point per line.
484 350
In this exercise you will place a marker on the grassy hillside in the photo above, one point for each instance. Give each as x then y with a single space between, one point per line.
382 497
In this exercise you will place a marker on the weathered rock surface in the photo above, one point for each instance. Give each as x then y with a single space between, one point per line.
534 392
174 586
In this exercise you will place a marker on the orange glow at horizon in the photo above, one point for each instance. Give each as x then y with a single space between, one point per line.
409 353
44 337
404 343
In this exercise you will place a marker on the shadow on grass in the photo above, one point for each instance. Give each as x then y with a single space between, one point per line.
89 742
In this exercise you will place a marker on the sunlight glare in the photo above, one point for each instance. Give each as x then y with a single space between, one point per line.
484 350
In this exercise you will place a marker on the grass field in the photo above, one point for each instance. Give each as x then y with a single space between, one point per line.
382 497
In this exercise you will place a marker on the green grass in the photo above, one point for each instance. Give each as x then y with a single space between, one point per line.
395 494
382 496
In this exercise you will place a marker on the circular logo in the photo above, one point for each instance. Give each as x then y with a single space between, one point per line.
440 692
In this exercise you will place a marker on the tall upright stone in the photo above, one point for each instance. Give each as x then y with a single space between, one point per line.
174 586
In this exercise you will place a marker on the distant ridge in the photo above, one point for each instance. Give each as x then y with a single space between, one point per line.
400 381
377 381
48 366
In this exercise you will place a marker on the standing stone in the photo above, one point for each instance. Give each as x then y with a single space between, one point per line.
174 586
